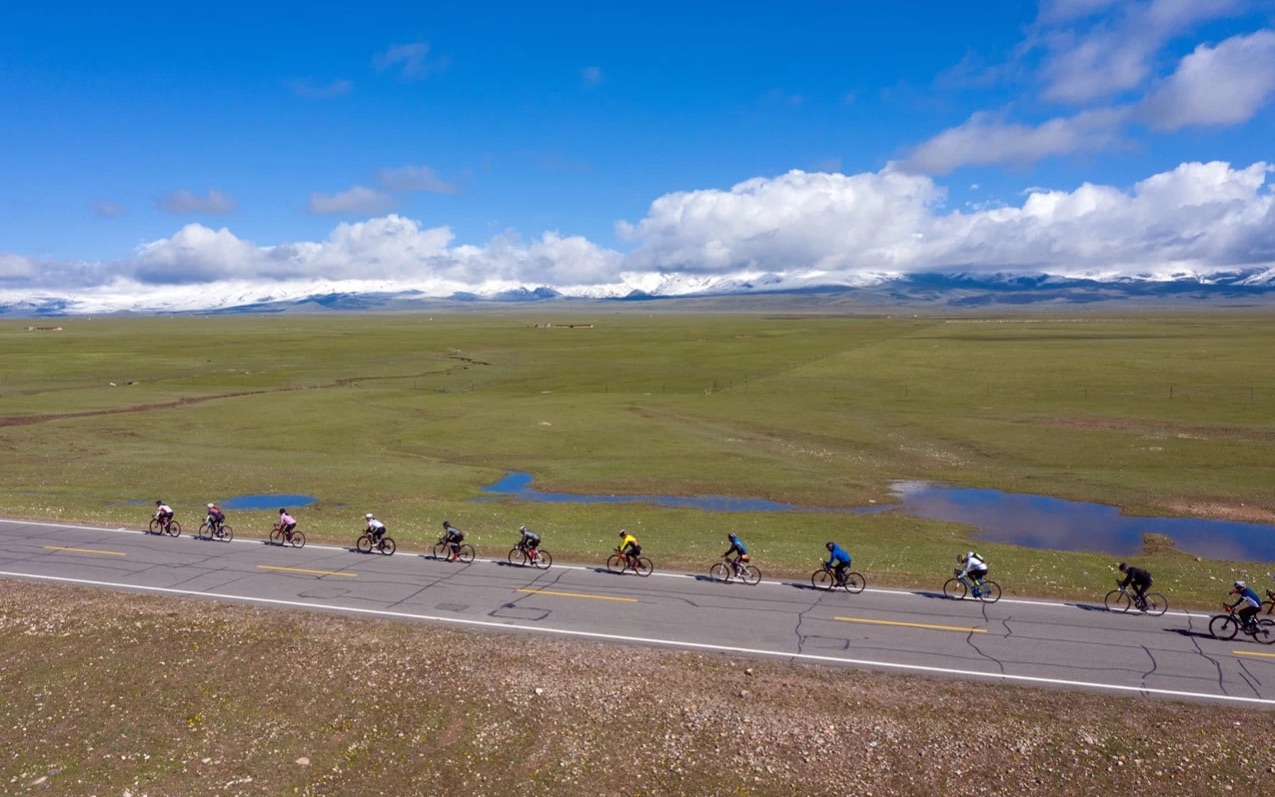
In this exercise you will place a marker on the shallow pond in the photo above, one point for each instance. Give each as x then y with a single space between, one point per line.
274 502
1033 521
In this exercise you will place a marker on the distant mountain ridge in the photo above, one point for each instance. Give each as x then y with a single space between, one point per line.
949 291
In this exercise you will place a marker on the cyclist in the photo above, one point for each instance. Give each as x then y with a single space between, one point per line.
452 536
838 559
973 571
1139 579
216 518
529 542
736 547
163 514
286 524
375 528
629 548
1252 603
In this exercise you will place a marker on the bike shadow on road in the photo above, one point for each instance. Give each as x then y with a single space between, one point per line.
1095 607
1191 633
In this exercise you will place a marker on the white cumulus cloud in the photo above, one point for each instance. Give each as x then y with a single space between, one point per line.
1213 86
357 199
216 203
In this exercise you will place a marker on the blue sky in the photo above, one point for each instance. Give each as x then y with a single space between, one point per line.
148 147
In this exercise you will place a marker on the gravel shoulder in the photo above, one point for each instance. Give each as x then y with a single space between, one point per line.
119 694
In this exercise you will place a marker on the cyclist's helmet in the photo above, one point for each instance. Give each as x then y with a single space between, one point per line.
522 529
830 545
962 558
283 511
623 532
731 536
447 524
1123 567
368 516
1240 585
210 506
158 503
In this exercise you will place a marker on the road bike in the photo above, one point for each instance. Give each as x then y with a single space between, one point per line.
172 528
957 588
296 538
825 578
219 531
535 557
366 544
734 568
443 550
1226 626
619 563
1121 599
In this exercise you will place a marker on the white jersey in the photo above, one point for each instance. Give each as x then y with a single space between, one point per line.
973 563
375 525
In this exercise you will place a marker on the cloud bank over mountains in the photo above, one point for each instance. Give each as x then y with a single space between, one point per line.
796 228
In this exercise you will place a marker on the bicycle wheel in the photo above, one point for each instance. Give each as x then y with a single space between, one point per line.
1265 631
466 554
955 589
750 574
617 564
276 537
1157 604
644 567
518 556
991 592
298 539
822 579
364 544
154 528
720 571
174 529
543 560
1117 600
225 533
1224 626
204 530
854 583
440 550
387 546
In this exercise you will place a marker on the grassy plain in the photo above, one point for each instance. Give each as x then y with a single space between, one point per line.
410 416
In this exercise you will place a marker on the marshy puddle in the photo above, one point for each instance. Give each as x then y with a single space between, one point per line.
1033 521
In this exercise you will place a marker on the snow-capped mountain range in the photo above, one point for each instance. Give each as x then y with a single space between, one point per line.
952 291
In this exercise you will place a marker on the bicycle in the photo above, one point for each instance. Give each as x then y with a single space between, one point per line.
1226 626
523 556
443 550
1121 600
957 588
619 563
825 578
366 544
295 538
220 531
172 528
729 569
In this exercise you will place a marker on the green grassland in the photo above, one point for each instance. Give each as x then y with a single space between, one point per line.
409 416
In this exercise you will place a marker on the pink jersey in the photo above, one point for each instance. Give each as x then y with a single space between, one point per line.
286 520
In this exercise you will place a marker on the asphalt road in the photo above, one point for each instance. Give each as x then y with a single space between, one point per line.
1029 642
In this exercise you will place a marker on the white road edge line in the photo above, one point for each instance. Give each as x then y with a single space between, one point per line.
1029 679
767 582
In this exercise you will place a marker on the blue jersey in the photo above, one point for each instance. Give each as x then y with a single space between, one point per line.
1250 595
838 555
737 547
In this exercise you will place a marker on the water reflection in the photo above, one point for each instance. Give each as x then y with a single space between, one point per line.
266 501
518 485
1038 521
1034 521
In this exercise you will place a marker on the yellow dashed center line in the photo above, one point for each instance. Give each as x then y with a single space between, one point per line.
962 629
307 572
83 550
577 595
1250 653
